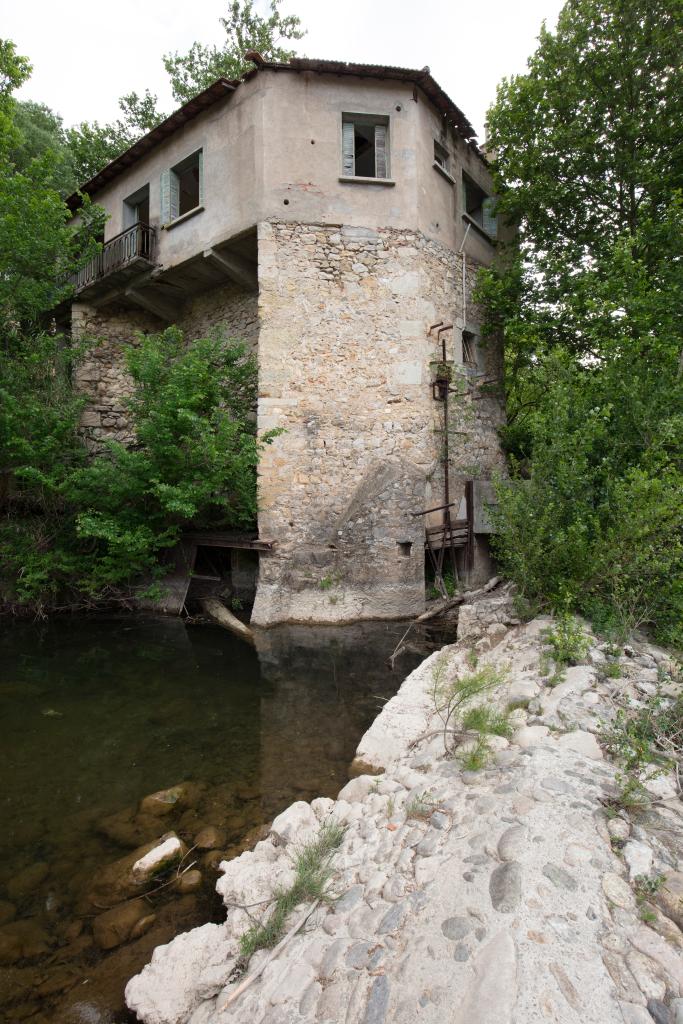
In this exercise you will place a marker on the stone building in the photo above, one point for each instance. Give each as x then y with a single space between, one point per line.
331 215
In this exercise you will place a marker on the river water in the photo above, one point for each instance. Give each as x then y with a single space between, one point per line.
99 712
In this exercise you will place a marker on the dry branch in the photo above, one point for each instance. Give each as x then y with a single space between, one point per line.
248 982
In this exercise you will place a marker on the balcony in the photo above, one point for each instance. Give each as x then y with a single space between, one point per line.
123 257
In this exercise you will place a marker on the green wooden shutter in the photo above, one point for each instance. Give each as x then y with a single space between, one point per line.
348 149
200 167
174 195
381 151
165 197
489 218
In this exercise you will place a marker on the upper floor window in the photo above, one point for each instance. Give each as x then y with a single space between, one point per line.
442 160
182 188
478 207
442 157
365 146
136 208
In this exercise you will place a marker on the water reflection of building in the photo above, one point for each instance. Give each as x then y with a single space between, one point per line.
325 687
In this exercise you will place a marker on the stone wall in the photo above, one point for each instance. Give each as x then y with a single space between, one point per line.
102 374
344 369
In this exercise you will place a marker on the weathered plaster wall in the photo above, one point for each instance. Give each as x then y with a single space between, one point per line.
102 374
272 149
344 368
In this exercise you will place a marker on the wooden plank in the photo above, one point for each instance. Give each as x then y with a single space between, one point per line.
228 540
174 587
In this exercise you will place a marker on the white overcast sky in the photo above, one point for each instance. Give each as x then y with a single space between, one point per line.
85 55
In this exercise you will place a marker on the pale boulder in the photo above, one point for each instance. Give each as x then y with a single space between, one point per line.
582 743
169 851
530 736
166 991
298 824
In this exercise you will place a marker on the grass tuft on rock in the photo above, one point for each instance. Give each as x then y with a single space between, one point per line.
487 720
313 871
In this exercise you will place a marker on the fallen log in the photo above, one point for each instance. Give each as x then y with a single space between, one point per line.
453 602
217 610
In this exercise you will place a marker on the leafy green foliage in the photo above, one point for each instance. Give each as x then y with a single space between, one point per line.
646 738
97 526
41 132
91 146
244 30
649 735
38 249
590 304
566 640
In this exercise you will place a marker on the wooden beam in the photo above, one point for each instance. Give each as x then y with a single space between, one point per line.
155 303
235 267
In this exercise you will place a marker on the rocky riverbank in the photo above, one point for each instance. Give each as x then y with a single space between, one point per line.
515 893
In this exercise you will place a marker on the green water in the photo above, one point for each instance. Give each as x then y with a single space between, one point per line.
96 714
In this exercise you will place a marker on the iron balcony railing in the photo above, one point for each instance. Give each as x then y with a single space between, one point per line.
137 242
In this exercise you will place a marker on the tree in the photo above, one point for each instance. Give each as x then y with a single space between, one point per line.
38 248
245 30
589 296
92 145
74 530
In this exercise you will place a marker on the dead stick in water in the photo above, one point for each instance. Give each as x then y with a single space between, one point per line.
243 986
465 598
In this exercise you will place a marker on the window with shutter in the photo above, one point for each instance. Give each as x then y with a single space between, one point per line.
489 218
348 149
182 188
478 208
381 151
365 146
165 196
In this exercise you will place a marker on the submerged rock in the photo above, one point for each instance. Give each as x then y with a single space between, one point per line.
115 926
25 882
7 912
210 838
166 800
21 940
131 874
189 881
128 828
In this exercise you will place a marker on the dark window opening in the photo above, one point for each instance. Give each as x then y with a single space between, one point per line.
364 150
442 157
182 188
479 207
469 350
365 147
188 187
405 547
136 208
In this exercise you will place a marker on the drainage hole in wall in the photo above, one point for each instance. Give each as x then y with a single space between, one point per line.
405 547
286 202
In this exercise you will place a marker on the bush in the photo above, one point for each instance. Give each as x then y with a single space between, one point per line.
90 529
567 641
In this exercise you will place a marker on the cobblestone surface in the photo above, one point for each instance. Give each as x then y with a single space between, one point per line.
509 903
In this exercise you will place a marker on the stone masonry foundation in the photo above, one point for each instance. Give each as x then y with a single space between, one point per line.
345 368
346 363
